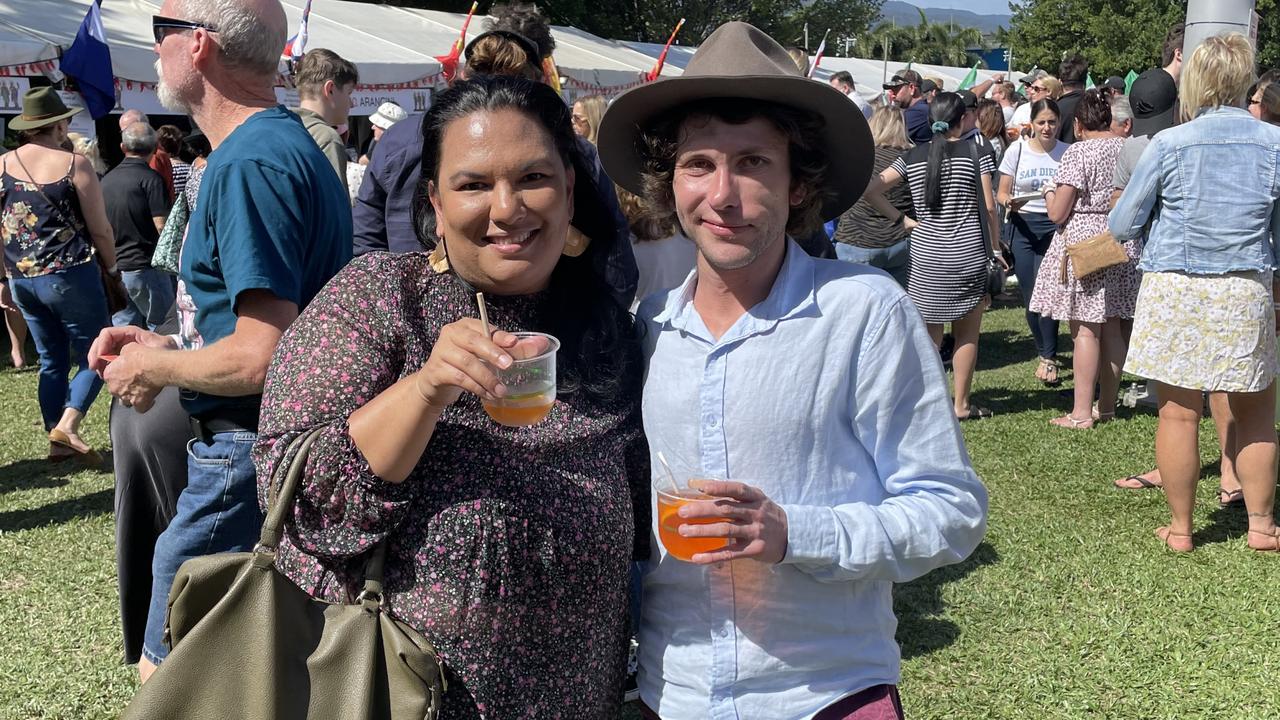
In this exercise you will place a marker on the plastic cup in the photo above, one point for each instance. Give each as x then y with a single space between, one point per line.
669 522
530 381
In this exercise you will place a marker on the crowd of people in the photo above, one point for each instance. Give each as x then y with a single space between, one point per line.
270 282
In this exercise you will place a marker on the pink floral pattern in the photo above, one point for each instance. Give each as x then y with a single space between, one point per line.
508 548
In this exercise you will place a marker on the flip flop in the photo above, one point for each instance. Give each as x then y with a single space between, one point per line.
1230 498
1143 483
976 412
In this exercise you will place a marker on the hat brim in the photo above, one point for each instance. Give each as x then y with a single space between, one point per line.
1155 123
19 124
846 137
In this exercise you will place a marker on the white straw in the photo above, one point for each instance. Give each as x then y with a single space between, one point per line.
671 477
484 315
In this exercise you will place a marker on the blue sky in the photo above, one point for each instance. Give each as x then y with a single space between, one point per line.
983 7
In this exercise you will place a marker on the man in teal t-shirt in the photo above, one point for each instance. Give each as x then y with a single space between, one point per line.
271 225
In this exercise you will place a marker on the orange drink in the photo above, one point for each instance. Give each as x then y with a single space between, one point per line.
521 410
669 522
530 381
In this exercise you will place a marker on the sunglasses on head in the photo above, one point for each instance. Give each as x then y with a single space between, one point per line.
162 26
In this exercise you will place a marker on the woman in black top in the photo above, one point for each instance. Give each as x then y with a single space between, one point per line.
863 234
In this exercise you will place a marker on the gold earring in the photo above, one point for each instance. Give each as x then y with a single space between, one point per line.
439 257
575 243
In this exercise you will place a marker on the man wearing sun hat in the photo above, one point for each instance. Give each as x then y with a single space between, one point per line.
387 114
809 389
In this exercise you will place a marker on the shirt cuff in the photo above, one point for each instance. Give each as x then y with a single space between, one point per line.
811 535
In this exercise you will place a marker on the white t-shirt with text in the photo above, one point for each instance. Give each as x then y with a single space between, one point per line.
1030 169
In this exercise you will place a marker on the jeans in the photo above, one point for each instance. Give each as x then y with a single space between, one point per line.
895 259
65 311
151 297
1031 235
217 512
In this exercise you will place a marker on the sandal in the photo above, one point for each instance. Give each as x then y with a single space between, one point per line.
1128 483
1230 498
1101 417
88 456
1168 536
976 412
1047 373
1068 421
1273 540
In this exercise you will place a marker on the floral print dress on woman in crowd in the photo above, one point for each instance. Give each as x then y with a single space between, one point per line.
1089 167
508 548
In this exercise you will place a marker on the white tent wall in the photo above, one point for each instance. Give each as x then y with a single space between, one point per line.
591 64
20 48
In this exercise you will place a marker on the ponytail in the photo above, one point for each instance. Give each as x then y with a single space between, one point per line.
945 112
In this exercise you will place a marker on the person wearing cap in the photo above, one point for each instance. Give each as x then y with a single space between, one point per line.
57 243
387 114
1115 84
905 90
1035 91
835 477
1206 313
929 89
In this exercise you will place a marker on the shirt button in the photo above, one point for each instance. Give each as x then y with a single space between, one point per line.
713 422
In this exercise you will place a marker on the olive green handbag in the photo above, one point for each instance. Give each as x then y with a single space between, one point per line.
249 644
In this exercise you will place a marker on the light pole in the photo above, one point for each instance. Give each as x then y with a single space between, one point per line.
1206 18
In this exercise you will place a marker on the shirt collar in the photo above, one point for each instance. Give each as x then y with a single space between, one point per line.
793 294
1222 110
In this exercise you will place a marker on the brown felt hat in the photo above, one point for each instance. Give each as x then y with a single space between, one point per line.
739 61
40 107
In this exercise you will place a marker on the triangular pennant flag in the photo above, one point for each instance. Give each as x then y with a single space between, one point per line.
971 79
1128 81
1088 82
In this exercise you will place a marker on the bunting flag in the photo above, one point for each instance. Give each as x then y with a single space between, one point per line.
1128 81
1088 82
817 57
449 62
88 60
551 73
662 58
297 45
971 79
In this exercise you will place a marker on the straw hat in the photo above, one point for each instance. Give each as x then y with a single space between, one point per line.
387 114
40 107
739 61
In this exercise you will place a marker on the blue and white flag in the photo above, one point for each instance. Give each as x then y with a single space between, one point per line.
88 60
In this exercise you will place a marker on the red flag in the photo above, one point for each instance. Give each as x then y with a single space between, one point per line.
449 63
662 59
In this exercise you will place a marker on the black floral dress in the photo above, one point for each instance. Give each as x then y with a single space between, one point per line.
509 548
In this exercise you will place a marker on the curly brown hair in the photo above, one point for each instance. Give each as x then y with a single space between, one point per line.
659 142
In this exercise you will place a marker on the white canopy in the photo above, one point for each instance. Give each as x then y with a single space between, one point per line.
20 48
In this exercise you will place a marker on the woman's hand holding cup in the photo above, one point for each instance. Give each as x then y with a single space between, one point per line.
463 358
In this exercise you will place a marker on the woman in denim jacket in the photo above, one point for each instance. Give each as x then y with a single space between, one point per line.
1205 319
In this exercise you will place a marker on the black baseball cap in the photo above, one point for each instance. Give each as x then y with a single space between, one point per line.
1034 75
928 86
904 77
968 98
1115 82
1154 99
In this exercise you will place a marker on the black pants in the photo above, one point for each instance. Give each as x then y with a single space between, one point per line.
150 455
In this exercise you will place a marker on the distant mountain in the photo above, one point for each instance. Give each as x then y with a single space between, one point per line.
904 13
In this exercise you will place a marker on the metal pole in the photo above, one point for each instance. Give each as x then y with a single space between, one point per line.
1206 18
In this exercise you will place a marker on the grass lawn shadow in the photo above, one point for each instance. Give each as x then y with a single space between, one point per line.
919 605
1225 524
62 511
32 474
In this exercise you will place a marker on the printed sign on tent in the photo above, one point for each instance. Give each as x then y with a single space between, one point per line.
81 122
11 91
366 102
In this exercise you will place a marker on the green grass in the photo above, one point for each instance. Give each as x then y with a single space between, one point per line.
1070 608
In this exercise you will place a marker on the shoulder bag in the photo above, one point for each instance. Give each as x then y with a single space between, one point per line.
996 274
169 246
251 645
1094 255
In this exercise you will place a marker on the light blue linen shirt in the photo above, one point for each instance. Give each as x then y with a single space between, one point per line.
829 396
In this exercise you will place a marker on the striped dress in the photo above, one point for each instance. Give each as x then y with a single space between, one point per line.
949 256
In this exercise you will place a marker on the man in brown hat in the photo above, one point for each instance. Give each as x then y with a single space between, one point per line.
814 456
272 226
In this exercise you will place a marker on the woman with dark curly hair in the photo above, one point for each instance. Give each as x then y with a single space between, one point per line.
508 548
1099 306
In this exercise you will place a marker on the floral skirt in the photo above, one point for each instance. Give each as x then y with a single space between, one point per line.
1205 332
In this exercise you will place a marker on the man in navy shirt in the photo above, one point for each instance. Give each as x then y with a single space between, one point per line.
272 226
904 89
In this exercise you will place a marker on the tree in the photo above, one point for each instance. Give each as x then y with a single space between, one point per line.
926 42
1115 36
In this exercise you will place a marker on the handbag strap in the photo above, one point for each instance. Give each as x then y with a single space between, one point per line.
52 205
982 198
284 486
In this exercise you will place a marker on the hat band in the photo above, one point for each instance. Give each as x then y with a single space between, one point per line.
37 118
